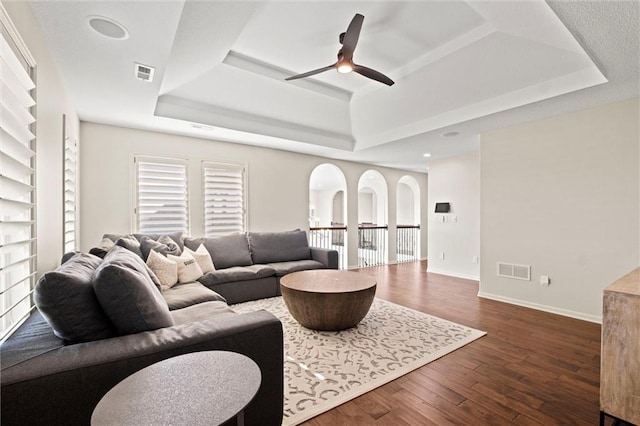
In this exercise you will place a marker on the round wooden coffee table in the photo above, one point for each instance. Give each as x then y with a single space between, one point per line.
328 299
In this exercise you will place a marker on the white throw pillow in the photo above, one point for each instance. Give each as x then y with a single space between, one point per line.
188 268
202 256
165 269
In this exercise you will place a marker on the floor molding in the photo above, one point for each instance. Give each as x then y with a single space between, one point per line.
454 274
545 308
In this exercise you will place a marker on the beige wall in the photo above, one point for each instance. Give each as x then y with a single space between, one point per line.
455 180
52 102
562 195
278 181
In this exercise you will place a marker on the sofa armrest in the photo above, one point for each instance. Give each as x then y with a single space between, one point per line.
64 385
328 257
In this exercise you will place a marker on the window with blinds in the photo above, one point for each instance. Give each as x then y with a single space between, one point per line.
162 203
224 198
17 179
69 187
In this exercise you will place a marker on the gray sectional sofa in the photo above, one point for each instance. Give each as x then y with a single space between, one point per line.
249 266
100 320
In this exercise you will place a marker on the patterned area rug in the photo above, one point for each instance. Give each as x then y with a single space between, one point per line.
325 369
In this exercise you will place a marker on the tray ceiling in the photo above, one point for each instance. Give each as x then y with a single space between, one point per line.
220 69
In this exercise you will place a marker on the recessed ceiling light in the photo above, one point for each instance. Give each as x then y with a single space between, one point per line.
450 134
108 27
426 155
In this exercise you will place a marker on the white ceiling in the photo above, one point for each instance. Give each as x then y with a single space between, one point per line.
458 66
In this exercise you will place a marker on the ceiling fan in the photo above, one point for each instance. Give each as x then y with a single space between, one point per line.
349 40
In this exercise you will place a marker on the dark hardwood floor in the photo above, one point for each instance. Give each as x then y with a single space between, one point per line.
531 368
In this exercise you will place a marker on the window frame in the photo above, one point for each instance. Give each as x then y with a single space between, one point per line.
233 166
166 161
69 183
18 57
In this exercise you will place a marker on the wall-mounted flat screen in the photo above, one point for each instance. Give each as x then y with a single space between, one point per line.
443 207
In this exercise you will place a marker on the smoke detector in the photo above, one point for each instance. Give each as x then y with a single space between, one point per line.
144 72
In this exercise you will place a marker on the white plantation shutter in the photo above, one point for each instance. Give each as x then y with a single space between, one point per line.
70 186
224 198
17 179
162 204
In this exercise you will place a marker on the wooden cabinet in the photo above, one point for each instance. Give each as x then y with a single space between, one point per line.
620 362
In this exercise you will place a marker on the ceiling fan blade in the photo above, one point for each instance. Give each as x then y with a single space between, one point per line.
310 73
351 36
373 74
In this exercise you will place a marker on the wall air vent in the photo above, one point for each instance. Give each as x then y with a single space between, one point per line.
144 72
518 272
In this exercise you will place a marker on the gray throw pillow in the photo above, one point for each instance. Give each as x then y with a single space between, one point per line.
164 245
66 299
112 237
98 251
226 251
130 243
271 247
127 294
178 237
67 256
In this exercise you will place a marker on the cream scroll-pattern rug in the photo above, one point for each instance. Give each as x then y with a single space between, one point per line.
325 369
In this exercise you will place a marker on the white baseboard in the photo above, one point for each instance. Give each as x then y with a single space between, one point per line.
453 274
390 263
545 308
395 262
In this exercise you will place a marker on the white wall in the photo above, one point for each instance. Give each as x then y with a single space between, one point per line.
405 205
367 206
278 181
52 102
322 201
455 180
562 195
373 198
337 210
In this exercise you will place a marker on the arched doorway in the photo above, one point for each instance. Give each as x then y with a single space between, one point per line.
328 209
407 219
372 219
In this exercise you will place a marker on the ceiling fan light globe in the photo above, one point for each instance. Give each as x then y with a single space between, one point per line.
345 68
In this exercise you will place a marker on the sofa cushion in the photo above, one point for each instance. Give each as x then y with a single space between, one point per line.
130 243
163 245
68 255
284 268
201 312
112 237
188 268
98 251
267 247
33 338
166 270
203 258
187 294
177 237
128 295
103 247
66 299
226 251
237 273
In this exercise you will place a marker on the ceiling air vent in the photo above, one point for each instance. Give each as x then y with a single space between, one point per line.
144 72
518 272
